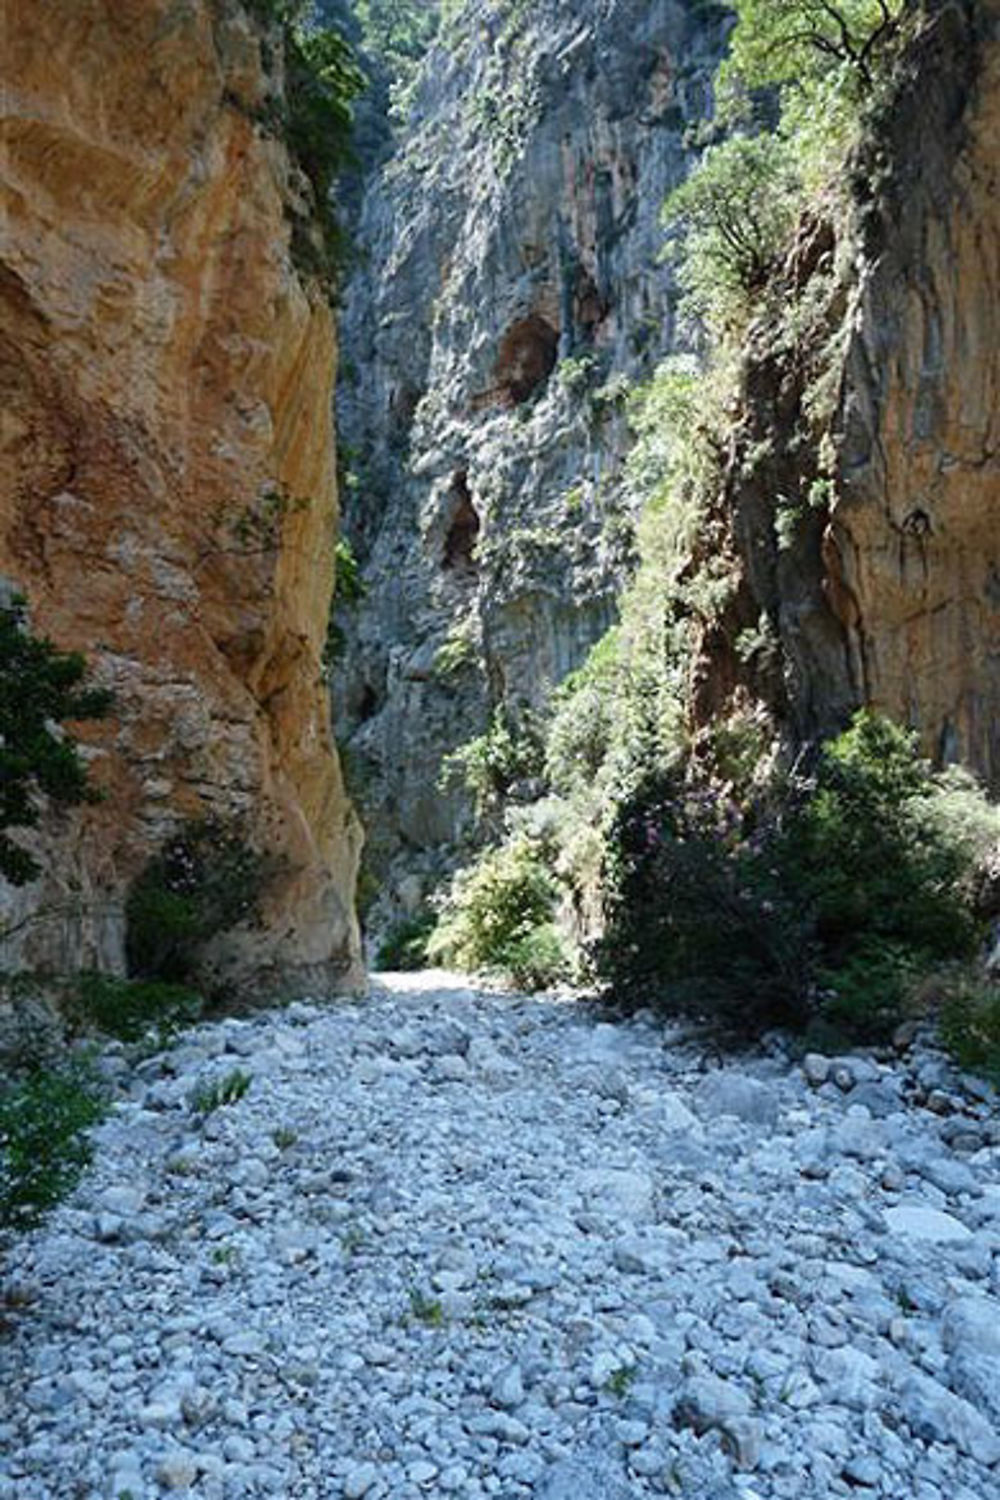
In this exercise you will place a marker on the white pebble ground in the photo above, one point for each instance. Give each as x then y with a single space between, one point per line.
460 1244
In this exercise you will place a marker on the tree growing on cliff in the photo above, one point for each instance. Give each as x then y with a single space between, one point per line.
40 688
735 210
796 40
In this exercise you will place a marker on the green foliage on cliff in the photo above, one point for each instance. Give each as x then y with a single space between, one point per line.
40 688
735 213
315 118
798 42
205 880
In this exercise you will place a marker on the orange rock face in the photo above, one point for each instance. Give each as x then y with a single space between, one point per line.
913 549
167 493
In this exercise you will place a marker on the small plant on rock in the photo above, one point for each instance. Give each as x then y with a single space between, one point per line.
426 1310
206 1098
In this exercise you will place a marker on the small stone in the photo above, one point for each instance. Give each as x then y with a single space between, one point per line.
816 1068
507 1387
972 1324
178 1471
951 1177
938 1416
918 1222
108 1228
863 1471
450 1069
583 1478
359 1481
708 1401
729 1093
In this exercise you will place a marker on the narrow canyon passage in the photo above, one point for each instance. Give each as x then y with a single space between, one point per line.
445 1242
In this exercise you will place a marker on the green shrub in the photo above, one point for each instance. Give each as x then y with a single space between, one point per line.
696 918
205 880
736 210
537 959
44 1147
490 764
864 994
828 896
498 917
866 847
40 687
405 946
132 1009
970 1024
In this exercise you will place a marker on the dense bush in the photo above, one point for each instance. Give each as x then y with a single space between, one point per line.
697 918
498 916
44 1147
823 896
205 880
404 947
970 1023
131 1009
40 688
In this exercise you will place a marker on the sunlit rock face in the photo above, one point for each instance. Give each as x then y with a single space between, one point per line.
168 495
913 549
888 595
510 284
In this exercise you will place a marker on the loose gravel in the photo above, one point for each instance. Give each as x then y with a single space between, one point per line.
450 1243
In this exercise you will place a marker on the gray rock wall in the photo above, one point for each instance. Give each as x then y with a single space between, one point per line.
511 284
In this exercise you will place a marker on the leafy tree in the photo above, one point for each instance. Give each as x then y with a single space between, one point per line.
794 40
40 688
736 210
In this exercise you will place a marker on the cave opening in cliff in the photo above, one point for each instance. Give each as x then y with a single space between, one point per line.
463 528
526 358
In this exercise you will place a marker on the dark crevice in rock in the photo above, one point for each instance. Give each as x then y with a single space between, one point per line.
526 359
463 529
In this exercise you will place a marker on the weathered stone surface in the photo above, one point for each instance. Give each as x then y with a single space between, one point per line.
168 498
888 594
913 547
403 1289
512 275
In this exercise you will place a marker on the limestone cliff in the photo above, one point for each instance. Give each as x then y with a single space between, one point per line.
887 592
168 498
510 288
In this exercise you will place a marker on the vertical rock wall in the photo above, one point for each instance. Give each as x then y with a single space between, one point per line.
913 547
168 500
511 284
887 594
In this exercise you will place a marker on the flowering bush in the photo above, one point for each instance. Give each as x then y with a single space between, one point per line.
825 895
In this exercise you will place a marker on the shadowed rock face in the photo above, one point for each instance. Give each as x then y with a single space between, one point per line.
168 501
